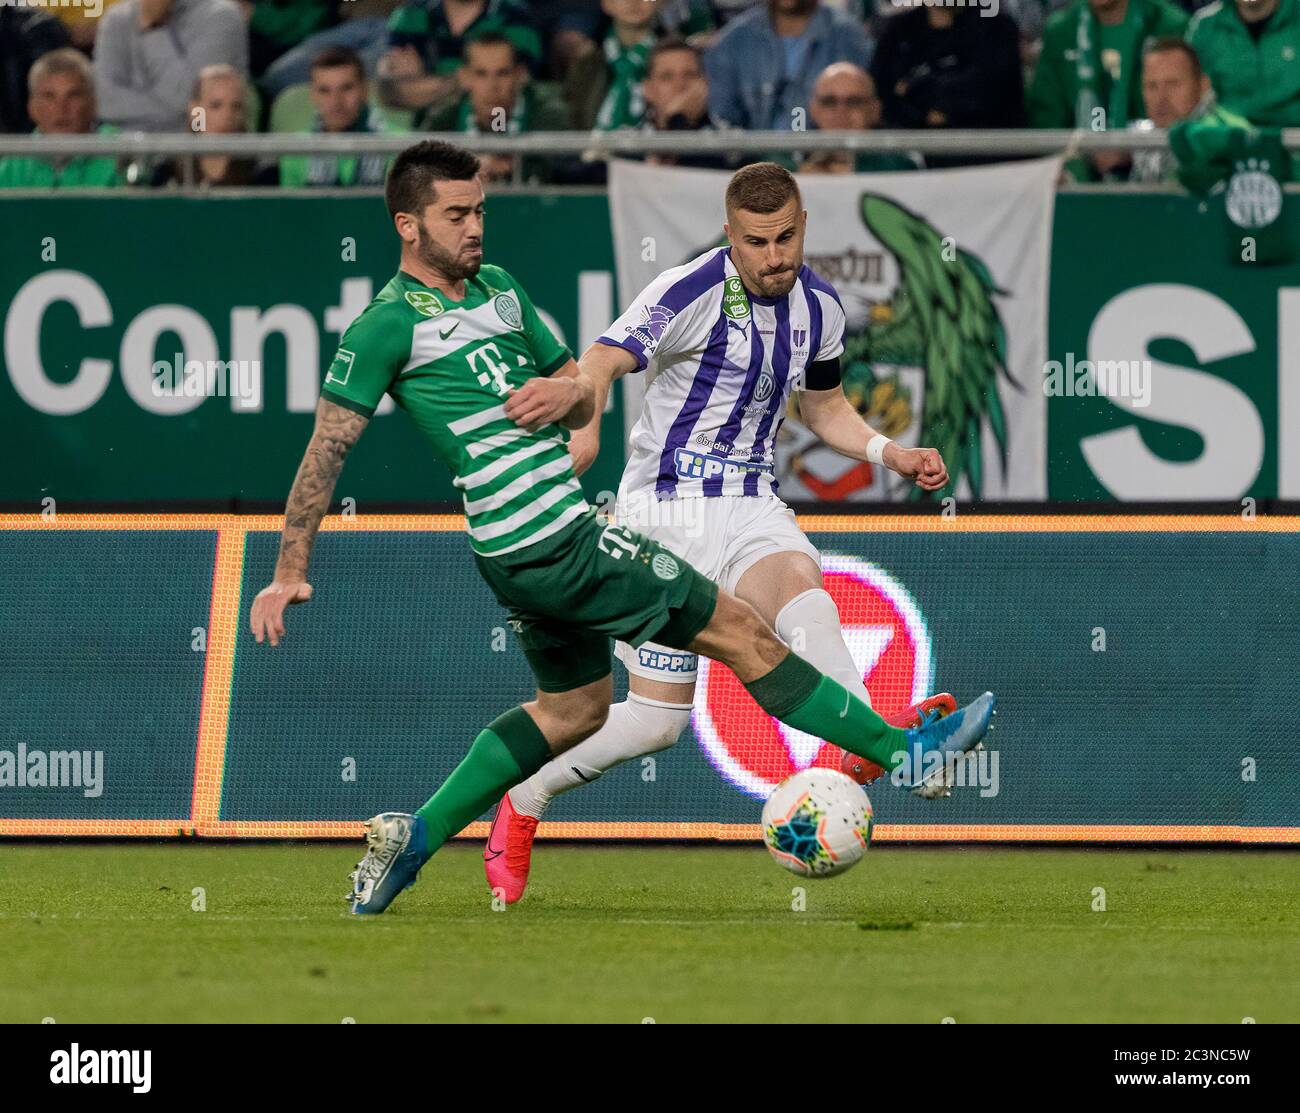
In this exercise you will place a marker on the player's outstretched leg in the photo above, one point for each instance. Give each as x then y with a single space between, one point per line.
514 746
811 620
788 688
638 726
932 707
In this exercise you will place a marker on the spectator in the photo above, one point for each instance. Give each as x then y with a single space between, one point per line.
1251 52
677 99
82 20
149 53
25 34
950 68
62 102
762 66
603 87
1174 88
218 106
844 99
498 97
363 28
572 27
340 95
426 41
275 26
1090 61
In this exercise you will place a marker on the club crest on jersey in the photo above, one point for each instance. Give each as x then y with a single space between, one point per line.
424 302
665 567
800 336
508 310
735 302
654 321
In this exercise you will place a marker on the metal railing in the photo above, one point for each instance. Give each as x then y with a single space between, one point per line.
1026 142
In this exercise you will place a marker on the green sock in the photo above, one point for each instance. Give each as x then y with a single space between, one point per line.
801 697
508 750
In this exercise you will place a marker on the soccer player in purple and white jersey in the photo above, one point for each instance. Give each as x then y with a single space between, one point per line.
726 338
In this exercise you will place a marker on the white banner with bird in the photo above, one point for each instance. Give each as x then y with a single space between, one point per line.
943 275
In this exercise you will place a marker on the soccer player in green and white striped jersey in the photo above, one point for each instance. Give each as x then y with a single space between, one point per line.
459 346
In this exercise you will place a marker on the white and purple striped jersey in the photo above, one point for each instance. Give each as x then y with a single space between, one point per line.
723 362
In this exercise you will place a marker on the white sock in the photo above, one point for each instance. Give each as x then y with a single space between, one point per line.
810 625
635 727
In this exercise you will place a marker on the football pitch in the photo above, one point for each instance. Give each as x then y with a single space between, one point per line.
113 933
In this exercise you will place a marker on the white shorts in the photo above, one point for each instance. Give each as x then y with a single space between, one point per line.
723 537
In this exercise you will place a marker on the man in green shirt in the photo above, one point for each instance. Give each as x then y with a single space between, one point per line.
61 101
1089 74
1251 51
604 86
459 346
341 97
499 99
426 40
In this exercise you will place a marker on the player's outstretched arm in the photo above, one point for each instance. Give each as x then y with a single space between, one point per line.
602 364
830 415
337 430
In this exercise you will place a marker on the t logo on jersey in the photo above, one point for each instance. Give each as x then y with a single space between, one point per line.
488 368
886 633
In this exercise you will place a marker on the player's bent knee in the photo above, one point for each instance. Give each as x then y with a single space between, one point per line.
659 724
738 636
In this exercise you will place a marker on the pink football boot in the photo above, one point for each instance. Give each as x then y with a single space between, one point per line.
509 851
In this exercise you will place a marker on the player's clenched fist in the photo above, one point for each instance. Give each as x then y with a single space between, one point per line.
924 465
268 608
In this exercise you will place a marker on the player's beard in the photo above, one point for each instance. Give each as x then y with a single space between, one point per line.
437 258
778 285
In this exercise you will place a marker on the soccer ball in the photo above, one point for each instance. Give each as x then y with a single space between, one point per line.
817 823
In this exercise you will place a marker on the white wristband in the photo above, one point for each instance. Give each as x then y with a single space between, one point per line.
876 448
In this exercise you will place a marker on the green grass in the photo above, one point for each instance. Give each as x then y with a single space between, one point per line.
107 933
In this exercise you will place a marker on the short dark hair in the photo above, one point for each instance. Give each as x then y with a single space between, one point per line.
762 187
333 56
1167 43
410 183
671 44
489 38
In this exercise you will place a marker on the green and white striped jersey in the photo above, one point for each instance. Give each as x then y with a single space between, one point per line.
450 365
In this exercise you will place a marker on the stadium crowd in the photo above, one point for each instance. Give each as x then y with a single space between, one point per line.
510 66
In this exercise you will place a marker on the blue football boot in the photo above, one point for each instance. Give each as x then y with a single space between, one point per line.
937 744
395 852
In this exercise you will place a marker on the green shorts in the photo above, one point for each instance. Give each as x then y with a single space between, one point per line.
570 594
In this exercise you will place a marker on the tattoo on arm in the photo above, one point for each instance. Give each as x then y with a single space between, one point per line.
337 430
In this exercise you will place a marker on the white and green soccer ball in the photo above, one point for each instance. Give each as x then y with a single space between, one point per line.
817 823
